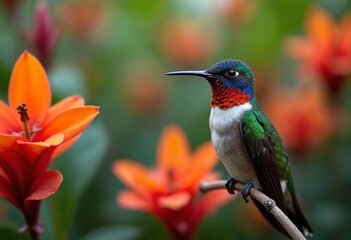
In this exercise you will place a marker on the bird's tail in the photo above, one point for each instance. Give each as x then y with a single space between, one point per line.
299 219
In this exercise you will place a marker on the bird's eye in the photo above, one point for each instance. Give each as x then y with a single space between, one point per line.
232 73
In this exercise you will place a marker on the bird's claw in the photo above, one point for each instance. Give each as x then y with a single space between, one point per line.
229 185
246 189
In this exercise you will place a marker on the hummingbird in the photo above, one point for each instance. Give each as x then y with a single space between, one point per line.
247 143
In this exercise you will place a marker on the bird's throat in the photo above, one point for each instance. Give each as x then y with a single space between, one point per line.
224 97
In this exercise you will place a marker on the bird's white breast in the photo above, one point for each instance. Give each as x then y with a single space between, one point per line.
227 140
220 119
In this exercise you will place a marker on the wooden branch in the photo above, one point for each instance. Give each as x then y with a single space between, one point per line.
269 203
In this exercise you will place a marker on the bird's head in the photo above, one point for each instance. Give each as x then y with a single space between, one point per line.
231 81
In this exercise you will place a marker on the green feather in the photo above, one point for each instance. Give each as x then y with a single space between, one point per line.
257 126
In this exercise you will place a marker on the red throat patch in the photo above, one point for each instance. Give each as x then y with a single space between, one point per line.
225 98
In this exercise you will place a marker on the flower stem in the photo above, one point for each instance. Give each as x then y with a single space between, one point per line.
34 235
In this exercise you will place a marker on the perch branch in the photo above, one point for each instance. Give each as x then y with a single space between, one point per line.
269 203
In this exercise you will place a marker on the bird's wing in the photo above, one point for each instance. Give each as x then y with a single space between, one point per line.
258 143
260 149
264 147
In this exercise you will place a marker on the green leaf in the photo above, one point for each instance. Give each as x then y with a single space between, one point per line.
78 167
66 81
113 232
10 233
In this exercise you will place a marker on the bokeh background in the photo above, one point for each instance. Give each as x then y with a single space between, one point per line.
114 53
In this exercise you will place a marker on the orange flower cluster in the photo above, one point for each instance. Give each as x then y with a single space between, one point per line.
170 191
32 134
302 117
326 50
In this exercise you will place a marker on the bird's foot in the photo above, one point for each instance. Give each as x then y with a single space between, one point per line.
246 189
229 185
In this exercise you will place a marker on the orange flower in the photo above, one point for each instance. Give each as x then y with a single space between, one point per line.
31 135
41 125
186 41
171 190
233 11
302 117
84 19
326 50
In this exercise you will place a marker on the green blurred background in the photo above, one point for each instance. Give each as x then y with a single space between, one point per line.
114 53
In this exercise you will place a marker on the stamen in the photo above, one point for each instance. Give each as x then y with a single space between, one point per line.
171 180
23 111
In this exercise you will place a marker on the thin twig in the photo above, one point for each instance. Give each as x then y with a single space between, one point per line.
269 203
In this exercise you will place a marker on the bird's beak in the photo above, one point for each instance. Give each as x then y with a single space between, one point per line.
203 73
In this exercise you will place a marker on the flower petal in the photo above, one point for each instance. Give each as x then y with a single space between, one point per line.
45 185
29 85
213 200
173 151
175 201
71 123
65 146
321 28
53 140
9 142
41 162
33 150
132 200
9 121
15 169
63 105
137 177
301 49
345 46
8 192
204 159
